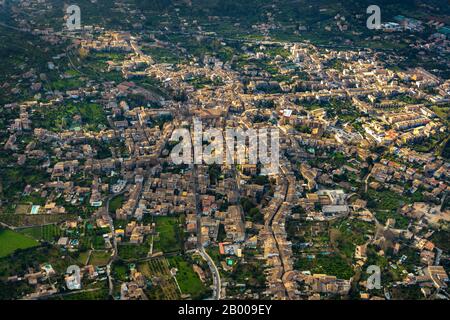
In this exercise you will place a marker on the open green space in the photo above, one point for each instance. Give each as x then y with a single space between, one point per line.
347 234
11 241
46 233
187 278
116 203
101 293
63 117
20 261
170 236
128 251
333 265
100 258
162 284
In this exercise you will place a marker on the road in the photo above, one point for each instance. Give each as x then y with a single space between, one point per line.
270 221
115 252
217 282
437 261
441 207
366 182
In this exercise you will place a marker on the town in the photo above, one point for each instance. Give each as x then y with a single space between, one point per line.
90 120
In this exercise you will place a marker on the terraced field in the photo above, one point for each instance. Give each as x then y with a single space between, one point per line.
47 233
163 284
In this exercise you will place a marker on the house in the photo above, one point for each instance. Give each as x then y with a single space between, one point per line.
63 241
438 276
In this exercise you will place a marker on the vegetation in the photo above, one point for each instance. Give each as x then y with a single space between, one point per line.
100 258
116 203
252 213
347 234
128 251
162 285
441 239
47 233
63 117
170 234
446 150
101 293
20 260
11 241
187 279
15 179
333 265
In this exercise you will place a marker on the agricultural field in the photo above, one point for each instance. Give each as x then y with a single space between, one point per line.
31 220
187 278
99 258
47 233
11 241
163 285
129 251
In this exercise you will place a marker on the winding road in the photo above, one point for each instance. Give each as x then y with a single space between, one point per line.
217 282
